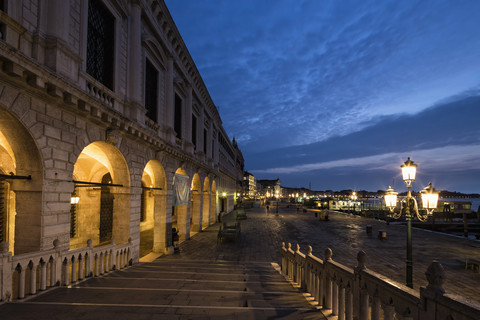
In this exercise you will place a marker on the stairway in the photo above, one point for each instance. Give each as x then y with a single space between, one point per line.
173 288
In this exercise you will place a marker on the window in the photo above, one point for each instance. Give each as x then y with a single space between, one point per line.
213 149
178 116
151 85
194 131
100 43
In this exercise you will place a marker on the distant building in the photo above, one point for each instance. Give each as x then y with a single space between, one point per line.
271 187
250 185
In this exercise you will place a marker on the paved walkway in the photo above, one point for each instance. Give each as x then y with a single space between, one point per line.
237 280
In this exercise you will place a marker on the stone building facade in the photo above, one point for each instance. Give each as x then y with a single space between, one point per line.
101 105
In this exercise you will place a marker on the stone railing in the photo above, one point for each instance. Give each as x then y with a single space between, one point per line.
362 294
29 273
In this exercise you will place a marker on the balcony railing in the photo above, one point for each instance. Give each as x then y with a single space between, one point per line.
363 294
29 273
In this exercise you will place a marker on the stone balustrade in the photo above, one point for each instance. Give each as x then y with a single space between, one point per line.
29 273
362 294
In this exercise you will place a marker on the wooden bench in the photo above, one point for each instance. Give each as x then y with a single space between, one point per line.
228 232
240 214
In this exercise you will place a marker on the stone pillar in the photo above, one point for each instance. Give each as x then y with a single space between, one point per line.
81 268
43 276
363 304
389 312
334 298
74 270
169 102
135 64
188 120
21 282
196 211
5 272
348 303
206 209
160 222
33 280
341 302
376 308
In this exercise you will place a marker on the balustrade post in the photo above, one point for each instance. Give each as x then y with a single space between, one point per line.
21 282
341 302
363 304
436 277
33 279
318 287
53 272
81 268
65 271
43 275
96 266
74 270
348 303
328 282
102 263
334 297
376 307
359 308
388 312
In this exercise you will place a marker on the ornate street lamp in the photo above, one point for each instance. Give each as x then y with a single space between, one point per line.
408 207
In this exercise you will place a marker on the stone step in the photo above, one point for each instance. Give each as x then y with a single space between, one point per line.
181 283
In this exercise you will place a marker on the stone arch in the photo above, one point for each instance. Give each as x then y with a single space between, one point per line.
20 199
206 203
213 203
196 204
102 211
153 233
180 214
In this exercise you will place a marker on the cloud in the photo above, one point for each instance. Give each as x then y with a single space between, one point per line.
453 158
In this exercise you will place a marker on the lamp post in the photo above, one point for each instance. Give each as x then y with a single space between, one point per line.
408 207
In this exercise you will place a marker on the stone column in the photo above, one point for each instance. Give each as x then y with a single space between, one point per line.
160 222
135 64
33 280
188 120
169 101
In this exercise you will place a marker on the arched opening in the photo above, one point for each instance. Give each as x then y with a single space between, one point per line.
213 203
153 217
180 213
21 181
195 204
206 203
100 204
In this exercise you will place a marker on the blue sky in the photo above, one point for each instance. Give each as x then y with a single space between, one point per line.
339 93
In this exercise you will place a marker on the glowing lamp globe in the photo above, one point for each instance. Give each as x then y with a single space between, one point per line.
390 198
409 169
429 198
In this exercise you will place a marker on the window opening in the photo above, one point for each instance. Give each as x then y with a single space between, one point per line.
151 85
100 43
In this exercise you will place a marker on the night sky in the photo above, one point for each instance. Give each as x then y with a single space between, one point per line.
339 93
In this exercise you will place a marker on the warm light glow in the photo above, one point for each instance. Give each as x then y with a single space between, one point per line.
429 198
304 195
297 195
390 198
354 196
224 194
409 170
74 200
